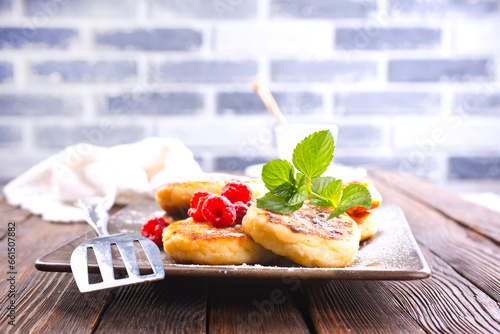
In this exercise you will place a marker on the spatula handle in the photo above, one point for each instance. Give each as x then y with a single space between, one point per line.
95 214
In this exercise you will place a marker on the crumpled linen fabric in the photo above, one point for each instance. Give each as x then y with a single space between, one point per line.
122 174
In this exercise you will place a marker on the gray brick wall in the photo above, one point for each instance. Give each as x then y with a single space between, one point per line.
435 70
387 38
174 103
150 40
39 38
83 71
10 136
322 9
207 71
413 85
5 6
322 71
5 72
36 105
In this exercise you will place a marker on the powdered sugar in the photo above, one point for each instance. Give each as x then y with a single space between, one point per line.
391 253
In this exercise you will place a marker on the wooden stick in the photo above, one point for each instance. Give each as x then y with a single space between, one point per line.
260 87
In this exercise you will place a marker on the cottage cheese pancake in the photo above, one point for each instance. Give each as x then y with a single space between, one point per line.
305 236
188 241
177 195
366 224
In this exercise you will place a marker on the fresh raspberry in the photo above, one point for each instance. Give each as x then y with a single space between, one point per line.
241 210
196 204
237 191
196 198
153 229
219 211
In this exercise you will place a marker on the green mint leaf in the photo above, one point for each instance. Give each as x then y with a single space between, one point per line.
285 190
318 184
296 198
357 195
328 189
300 180
313 155
276 204
320 202
333 191
301 185
291 175
353 195
277 172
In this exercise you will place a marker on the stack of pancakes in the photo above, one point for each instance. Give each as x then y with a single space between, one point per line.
305 236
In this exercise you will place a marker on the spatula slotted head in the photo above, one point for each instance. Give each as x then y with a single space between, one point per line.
103 254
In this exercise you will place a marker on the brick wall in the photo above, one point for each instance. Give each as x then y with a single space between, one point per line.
414 85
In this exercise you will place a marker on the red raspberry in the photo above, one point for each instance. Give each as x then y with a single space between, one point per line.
237 191
196 204
241 210
153 229
219 211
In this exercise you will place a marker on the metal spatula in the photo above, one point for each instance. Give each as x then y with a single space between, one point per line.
97 217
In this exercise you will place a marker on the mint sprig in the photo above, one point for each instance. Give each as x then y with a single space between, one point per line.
289 188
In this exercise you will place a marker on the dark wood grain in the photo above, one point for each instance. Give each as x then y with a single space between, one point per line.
169 306
446 302
53 304
254 309
471 254
38 292
357 307
472 215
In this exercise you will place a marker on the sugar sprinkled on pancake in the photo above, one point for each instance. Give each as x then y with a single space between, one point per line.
188 241
305 236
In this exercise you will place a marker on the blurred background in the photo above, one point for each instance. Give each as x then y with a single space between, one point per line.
413 85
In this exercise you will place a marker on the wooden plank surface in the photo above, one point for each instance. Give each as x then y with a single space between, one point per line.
471 254
472 215
446 302
169 306
40 292
254 308
357 307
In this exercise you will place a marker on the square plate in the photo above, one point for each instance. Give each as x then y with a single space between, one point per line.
391 254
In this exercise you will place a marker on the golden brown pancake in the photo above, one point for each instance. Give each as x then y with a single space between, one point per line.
177 196
366 224
305 236
188 241
376 196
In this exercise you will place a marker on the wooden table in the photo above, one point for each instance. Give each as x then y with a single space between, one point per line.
460 241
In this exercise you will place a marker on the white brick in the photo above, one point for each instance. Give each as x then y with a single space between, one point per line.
231 134
477 37
452 134
279 38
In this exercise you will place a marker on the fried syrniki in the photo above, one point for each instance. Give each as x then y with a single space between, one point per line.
305 236
187 241
366 224
176 196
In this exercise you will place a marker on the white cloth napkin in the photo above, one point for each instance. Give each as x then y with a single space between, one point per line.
122 174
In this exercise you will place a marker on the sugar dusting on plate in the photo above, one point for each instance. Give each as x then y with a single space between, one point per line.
389 248
392 249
